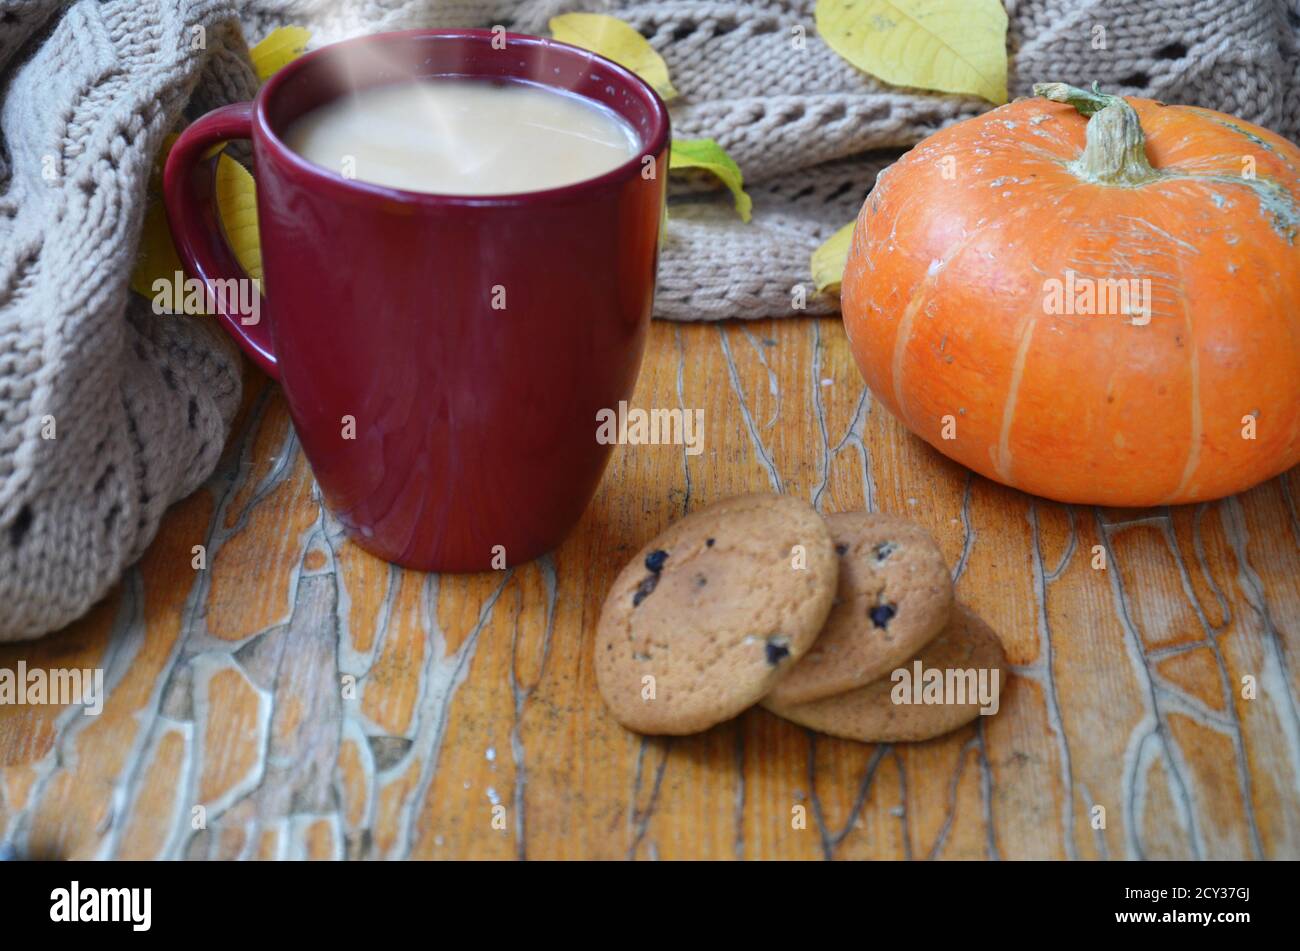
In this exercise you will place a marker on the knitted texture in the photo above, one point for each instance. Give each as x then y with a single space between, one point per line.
139 405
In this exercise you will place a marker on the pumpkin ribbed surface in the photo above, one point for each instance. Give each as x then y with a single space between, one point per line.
984 298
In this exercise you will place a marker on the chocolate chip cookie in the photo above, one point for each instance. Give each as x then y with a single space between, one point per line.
894 597
705 619
946 685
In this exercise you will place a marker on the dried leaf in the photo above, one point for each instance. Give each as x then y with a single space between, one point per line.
616 40
237 205
828 261
948 45
278 48
157 259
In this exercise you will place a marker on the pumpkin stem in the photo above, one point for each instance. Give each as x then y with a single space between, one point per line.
1116 153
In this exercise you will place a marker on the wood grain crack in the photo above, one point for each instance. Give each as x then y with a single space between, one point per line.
1155 718
521 695
1047 664
764 456
681 404
831 841
639 821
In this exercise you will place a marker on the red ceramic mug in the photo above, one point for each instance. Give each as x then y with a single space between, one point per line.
473 434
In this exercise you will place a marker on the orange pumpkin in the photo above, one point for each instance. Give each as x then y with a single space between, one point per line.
1088 298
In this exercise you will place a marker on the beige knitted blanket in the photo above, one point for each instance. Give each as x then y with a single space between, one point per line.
109 413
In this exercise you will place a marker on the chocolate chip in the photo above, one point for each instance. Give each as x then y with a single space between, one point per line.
643 590
778 649
654 562
884 550
710 541
841 549
881 614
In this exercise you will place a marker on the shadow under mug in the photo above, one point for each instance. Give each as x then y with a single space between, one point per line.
443 357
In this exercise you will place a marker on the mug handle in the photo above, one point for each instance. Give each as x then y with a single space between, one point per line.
189 194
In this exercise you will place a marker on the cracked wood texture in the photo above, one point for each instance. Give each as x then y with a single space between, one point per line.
319 703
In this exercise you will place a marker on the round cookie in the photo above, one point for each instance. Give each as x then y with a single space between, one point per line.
894 597
870 713
713 611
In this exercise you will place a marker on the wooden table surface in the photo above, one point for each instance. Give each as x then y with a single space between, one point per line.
316 702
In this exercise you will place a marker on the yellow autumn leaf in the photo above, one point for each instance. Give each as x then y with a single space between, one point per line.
279 47
708 155
157 259
948 45
616 40
828 261
237 205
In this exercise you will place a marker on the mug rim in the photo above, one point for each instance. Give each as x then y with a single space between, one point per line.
655 142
